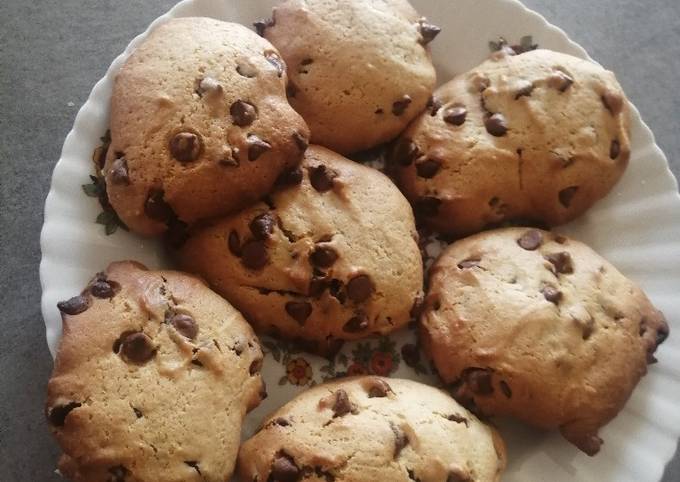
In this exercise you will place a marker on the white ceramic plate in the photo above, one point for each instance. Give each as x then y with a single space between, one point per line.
637 227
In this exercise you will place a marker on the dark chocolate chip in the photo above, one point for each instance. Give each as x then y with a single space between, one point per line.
316 287
137 347
560 81
400 440
283 469
566 195
469 263
242 113
335 289
185 325
496 125
262 25
455 115
552 294
614 149
356 324
58 413
428 168
300 141
234 243
427 206
322 178
400 106
186 146
433 105
613 102
323 256
458 419
156 208
360 288
75 305
561 262
299 310
404 152
255 367
281 422
119 174
379 389
290 177
256 147
531 240
262 226
254 255
428 32
118 473
525 89
342 405
274 59
102 289
478 380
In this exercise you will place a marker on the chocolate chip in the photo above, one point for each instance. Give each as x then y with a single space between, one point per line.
262 25
525 89
323 256
505 388
496 125
254 255
400 106
428 168
478 380
256 147
566 195
356 324
274 59
118 473
404 152
428 32
342 405
75 305
234 243
614 149
400 440
433 105
186 146
255 367
469 263
427 206
57 415
561 262
360 288
458 419
208 85
613 102
156 208
455 115
560 81
102 289
552 294
335 290
137 347
281 422
262 226
185 325
283 469
379 389
322 178
290 177
119 172
299 310
242 113
300 141
458 475
531 240
316 287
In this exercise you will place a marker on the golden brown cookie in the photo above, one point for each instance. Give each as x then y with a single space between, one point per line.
539 136
534 325
153 377
200 125
360 70
331 256
373 429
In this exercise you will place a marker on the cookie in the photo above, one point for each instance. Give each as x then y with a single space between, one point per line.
331 256
200 125
152 379
531 324
360 70
373 429
536 137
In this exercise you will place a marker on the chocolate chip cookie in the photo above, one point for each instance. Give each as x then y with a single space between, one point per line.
152 379
373 429
528 323
200 125
331 256
539 137
360 70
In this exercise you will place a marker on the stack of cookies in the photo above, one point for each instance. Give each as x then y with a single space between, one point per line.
230 145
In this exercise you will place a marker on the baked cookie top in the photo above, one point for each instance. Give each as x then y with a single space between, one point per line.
373 429
200 125
332 255
539 136
152 379
538 326
360 70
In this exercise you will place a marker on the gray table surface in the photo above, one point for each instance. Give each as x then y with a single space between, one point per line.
53 52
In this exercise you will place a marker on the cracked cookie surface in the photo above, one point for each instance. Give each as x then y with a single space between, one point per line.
360 70
373 429
528 323
330 256
539 136
200 125
152 379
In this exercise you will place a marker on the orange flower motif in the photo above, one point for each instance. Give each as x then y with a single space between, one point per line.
356 368
382 363
298 371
